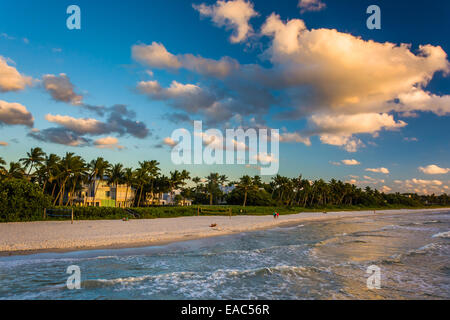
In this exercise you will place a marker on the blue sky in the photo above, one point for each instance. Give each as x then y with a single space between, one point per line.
386 126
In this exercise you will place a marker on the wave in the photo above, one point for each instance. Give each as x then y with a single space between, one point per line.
217 276
442 235
246 252
432 221
428 248
409 226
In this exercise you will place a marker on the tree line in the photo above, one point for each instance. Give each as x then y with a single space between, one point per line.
62 178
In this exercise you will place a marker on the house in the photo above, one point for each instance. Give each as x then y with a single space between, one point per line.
107 196
166 199
101 194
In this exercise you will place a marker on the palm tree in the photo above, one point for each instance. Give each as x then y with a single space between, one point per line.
176 180
246 184
98 168
77 175
128 179
186 193
306 190
257 181
115 176
197 181
2 166
34 157
162 185
223 179
153 173
69 166
48 169
212 185
15 171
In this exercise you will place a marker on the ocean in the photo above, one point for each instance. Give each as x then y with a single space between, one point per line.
312 260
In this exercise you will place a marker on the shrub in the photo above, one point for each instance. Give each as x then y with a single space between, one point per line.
21 200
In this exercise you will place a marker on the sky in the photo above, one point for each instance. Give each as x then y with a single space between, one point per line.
367 106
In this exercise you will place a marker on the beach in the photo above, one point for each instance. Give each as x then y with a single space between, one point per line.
54 236
298 257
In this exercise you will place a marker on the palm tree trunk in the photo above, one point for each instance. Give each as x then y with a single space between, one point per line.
95 192
312 199
140 196
245 198
60 193
53 190
29 171
72 193
115 198
126 196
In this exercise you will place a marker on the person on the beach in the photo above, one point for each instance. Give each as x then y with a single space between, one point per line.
274 215
278 215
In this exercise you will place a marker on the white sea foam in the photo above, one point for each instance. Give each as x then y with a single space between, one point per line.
441 235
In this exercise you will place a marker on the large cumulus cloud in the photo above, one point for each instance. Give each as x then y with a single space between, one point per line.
342 85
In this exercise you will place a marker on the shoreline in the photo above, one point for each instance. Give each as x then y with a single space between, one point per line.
25 238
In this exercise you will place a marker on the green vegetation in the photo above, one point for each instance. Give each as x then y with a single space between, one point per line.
21 200
41 181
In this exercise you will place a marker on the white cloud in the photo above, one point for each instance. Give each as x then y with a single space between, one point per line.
338 130
425 182
170 142
421 186
342 85
209 67
351 162
311 5
155 55
233 14
188 97
107 143
79 125
285 35
265 158
10 78
345 125
386 189
378 170
348 143
216 141
15 114
434 169
294 137
351 78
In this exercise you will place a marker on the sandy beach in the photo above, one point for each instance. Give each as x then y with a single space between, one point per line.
33 237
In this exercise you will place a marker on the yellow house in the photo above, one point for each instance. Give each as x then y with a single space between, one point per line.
106 195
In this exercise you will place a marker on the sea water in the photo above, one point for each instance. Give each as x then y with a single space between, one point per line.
311 260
